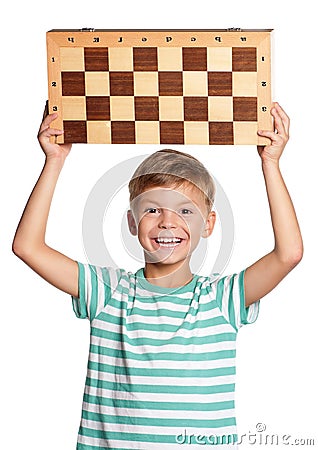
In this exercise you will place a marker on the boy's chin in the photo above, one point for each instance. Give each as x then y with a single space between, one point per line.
167 259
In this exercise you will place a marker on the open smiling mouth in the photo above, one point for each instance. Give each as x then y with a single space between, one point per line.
168 242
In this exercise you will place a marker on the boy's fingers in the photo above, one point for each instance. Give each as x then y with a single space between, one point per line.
282 117
48 132
278 122
280 135
269 134
54 131
46 110
281 112
47 121
276 139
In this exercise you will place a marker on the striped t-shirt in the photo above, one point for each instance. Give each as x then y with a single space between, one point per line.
161 368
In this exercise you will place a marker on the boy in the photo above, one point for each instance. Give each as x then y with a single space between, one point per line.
162 355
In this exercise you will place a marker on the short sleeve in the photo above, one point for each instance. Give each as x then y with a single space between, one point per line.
230 298
95 287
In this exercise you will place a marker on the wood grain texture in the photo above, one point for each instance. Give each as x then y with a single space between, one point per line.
96 59
210 87
220 83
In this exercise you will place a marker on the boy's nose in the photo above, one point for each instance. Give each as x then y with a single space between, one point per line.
168 219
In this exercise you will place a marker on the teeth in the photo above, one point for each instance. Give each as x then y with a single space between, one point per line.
168 240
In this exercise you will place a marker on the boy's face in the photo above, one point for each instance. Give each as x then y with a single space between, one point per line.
169 222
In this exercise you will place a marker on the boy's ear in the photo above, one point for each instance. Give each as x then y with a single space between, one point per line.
132 223
209 225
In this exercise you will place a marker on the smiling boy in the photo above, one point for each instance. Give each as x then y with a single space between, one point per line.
171 199
161 369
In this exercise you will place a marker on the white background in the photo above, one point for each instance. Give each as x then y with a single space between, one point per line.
43 346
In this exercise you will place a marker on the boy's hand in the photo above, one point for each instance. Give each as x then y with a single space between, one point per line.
279 137
51 150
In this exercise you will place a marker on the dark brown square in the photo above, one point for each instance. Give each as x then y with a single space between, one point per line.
221 133
172 133
123 132
244 59
121 83
196 108
96 59
146 108
75 131
194 58
73 83
97 108
170 83
220 83
145 59
245 109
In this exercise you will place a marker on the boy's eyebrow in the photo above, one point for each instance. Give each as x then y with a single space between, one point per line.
145 199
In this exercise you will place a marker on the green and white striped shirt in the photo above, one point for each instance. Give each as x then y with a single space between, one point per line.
161 368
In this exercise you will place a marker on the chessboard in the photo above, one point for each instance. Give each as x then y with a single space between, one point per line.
187 87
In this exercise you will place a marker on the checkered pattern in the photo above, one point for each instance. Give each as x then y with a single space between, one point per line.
168 95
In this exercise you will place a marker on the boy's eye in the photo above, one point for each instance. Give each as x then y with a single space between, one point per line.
152 210
185 211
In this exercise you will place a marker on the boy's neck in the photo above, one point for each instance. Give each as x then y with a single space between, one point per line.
169 276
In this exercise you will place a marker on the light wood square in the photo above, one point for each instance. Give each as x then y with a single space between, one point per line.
74 108
98 131
244 84
195 84
171 108
196 133
146 83
147 132
245 133
220 109
169 59
97 83
122 108
72 59
120 59
219 59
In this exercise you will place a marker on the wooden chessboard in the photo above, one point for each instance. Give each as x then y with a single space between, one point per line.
206 87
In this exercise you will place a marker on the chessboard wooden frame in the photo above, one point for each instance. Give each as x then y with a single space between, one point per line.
91 38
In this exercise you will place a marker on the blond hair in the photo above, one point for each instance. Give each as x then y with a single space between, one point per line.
172 168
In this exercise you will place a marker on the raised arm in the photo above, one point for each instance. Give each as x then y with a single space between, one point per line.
262 276
29 241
